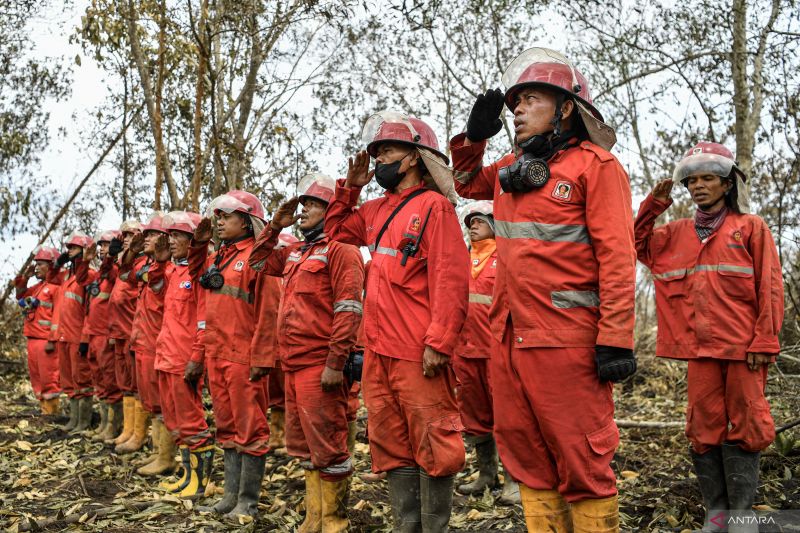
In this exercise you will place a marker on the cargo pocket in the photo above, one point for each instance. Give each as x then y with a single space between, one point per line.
441 451
759 427
676 285
738 284
600 447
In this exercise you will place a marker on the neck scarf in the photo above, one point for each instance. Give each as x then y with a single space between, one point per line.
480 252
705 223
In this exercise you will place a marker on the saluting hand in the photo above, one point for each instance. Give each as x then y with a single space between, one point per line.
285 215
433 362
162 249
358 173
202 232
137 244
662 190
89 253
484 120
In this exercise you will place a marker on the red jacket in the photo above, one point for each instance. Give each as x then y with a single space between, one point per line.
122 303
37 322
70 306
181 336
476 338
96 322
149 309
423 303
566 258
722 298
321 309
233 311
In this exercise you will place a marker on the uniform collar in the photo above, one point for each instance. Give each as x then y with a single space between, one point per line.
403 195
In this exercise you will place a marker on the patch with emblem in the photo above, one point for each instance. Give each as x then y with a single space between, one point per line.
737 236
186 284
562 190
321 251
295 256
238 266
476 262
494 263
414 223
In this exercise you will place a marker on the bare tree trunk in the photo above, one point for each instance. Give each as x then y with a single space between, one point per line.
202 60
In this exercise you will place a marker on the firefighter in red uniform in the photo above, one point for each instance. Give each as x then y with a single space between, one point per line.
415 307
239 353
471 357
36 303
70 310
719 301
563 306
319 319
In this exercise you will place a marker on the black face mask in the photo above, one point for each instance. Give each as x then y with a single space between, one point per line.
388 175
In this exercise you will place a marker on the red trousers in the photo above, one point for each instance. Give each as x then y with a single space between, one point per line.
147 381
124 367
101 361
727 404
316 423
412 420
75 374
43 369
353 401
277 397
240 406
554 419
182 410
474 394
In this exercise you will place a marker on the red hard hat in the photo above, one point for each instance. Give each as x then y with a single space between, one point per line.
316 185
285 239
45 253
154 223
78 238
106 236
706 158
185 221
239 202
392 126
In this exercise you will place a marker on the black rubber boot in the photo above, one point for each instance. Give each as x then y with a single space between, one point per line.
486 453
84 415
73 415
249 485
404 497
233 474
711 477
741 478
436 499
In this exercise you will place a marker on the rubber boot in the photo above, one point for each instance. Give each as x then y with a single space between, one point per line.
595 516
201 461
510 494
51 406
180 481
155 435
436 501
334 505
114 425
249 486
84 415
73 415
486 453
165 462
277 429
545 510
128 417
711 477
741 480
233 475
352 431
140 423
313 503
404 496
102 409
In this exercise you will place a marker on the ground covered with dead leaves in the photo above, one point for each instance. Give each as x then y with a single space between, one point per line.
50 481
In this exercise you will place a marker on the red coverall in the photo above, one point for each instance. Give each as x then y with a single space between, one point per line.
144 332
565 283
319 318
43 366
179 341
96 333
233 344
413 419
122 306
68 315
471 361
716 302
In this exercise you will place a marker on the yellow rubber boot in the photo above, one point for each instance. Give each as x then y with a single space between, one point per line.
51 406
140 423
313 502
277 431
181 481
334 506
545 510
596 516
201 461
155 434
165 462
128 416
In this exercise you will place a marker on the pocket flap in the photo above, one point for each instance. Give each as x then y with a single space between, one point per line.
312 265
673 275
604 440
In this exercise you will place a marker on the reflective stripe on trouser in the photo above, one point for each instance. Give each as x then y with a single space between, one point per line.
182 410
727 403
43 368
316 422
240 406
277 397
562 435
147 382
474 394
101 359
413 420
124 367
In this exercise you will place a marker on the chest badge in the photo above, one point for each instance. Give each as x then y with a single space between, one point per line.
737 236
475 262
414 223
562 190
186 284
238 266
494 263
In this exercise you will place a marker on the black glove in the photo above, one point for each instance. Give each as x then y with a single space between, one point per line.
83 349
132 353
353 367
115 247
614 364
63 259
484 119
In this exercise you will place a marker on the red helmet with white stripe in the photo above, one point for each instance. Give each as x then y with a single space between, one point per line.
238 202
706 158
78 238
154 223
106 236
316 185
393 126
185 221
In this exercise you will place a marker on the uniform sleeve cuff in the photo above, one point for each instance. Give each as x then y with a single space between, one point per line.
440 338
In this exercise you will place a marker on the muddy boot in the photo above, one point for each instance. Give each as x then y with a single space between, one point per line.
155 435
334 506
595 516
102 409
201 461
84 415
352 431
277 429
233 475
741 480
51 406
139 436
510 494
165 462
73 415
128 417
545 510
313 503
249 486
711 477
486 453
180 481
114 425
404 496
436 501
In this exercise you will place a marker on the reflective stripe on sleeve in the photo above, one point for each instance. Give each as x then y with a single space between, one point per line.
347 306
571 299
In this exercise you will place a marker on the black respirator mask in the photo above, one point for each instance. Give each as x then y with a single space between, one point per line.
388 175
